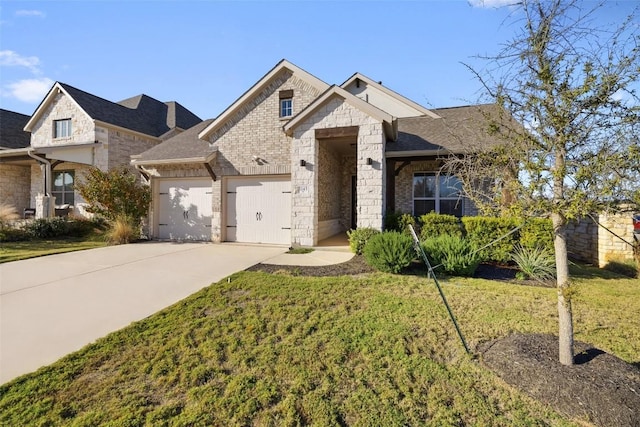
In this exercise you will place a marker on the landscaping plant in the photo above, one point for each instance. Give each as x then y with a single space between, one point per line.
435 224
536 262
390 251
452 254
359 237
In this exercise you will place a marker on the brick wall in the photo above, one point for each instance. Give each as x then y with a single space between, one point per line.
15 184
122 145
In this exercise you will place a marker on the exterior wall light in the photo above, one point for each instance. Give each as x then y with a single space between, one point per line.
369 161
303 163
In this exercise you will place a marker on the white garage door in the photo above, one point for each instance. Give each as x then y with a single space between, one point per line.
185 209
259 210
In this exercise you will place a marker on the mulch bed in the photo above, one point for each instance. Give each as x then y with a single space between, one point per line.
599 388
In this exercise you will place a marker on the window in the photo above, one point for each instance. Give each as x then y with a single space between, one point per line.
63 187
437 193
62 128
286 107
286 103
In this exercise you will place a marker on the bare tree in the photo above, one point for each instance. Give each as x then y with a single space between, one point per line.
567 115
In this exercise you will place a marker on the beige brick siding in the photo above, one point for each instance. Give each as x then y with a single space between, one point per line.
15 184
63 107
122 145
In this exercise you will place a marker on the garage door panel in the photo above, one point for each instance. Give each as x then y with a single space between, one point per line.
185 209
259 210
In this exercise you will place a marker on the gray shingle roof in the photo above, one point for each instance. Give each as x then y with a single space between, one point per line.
12 134
140 113
459 130
185 145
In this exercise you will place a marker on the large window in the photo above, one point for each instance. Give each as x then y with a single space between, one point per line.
62 128
433 192
63 187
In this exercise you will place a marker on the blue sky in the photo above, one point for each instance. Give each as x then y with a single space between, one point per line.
205 54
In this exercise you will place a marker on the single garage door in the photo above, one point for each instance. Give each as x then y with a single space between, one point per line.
259 210
185 209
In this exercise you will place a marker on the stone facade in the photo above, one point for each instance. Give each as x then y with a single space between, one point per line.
15 184
305 183
63 107
599 244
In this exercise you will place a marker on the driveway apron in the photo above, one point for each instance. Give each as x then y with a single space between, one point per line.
53 305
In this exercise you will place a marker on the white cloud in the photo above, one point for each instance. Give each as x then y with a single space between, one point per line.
28 90
24 12
9 58
487 4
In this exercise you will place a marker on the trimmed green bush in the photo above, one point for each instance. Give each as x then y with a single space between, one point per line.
537 232
358 238
390 251
399 222
536 263
482 231
9 234
435 224
454 254
51 228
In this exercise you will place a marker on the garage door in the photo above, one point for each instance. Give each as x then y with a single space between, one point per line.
259 210
185 209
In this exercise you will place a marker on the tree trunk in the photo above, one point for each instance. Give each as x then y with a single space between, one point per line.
565 314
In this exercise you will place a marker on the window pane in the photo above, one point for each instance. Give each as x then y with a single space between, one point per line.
68 181
450 186
58 181
451 207
58 196
421 207
424 185
285 107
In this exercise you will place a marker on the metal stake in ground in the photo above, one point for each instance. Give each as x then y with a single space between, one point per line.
421 254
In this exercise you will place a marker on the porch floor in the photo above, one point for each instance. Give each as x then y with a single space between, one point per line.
338 242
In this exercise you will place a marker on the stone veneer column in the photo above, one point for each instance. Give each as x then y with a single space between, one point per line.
304 179
370 179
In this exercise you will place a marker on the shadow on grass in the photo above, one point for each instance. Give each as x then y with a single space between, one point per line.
589 271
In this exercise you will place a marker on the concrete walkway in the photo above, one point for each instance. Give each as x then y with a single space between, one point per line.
54 305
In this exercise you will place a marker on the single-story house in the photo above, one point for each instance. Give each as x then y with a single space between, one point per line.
295 160
43 155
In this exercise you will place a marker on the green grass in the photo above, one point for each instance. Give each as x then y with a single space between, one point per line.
14 251
272 350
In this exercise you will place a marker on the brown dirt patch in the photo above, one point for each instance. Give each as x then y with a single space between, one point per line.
600 388
353 267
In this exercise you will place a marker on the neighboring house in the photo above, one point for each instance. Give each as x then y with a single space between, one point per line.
294 161
72 130
14 178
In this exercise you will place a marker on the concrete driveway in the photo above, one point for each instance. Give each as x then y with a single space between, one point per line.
54 305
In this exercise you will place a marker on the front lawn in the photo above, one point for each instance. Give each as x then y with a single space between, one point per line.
275 349
14 251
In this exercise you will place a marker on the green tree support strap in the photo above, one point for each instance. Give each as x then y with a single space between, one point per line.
421 254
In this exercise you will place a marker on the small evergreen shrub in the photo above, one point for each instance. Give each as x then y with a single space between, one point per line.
537 232
397 221
47 228
358 238
390 251
454 254
482 231
435 224
535 263
10 234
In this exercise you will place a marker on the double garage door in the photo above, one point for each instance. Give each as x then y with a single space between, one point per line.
258 210
185 209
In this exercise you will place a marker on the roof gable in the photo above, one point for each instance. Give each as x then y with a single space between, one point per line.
140 114
384 98
260 85
336 91
12 134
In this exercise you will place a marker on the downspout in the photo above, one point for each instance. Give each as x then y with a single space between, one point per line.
47 177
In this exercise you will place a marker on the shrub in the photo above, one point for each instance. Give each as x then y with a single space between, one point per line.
537 232
122 230
390 251
358 238
399 222
454 254
536 263
47 228
483 231
8 213
434 224
9 234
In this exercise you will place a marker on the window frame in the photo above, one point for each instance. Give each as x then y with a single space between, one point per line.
62 191
62 128
437 198
284 108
